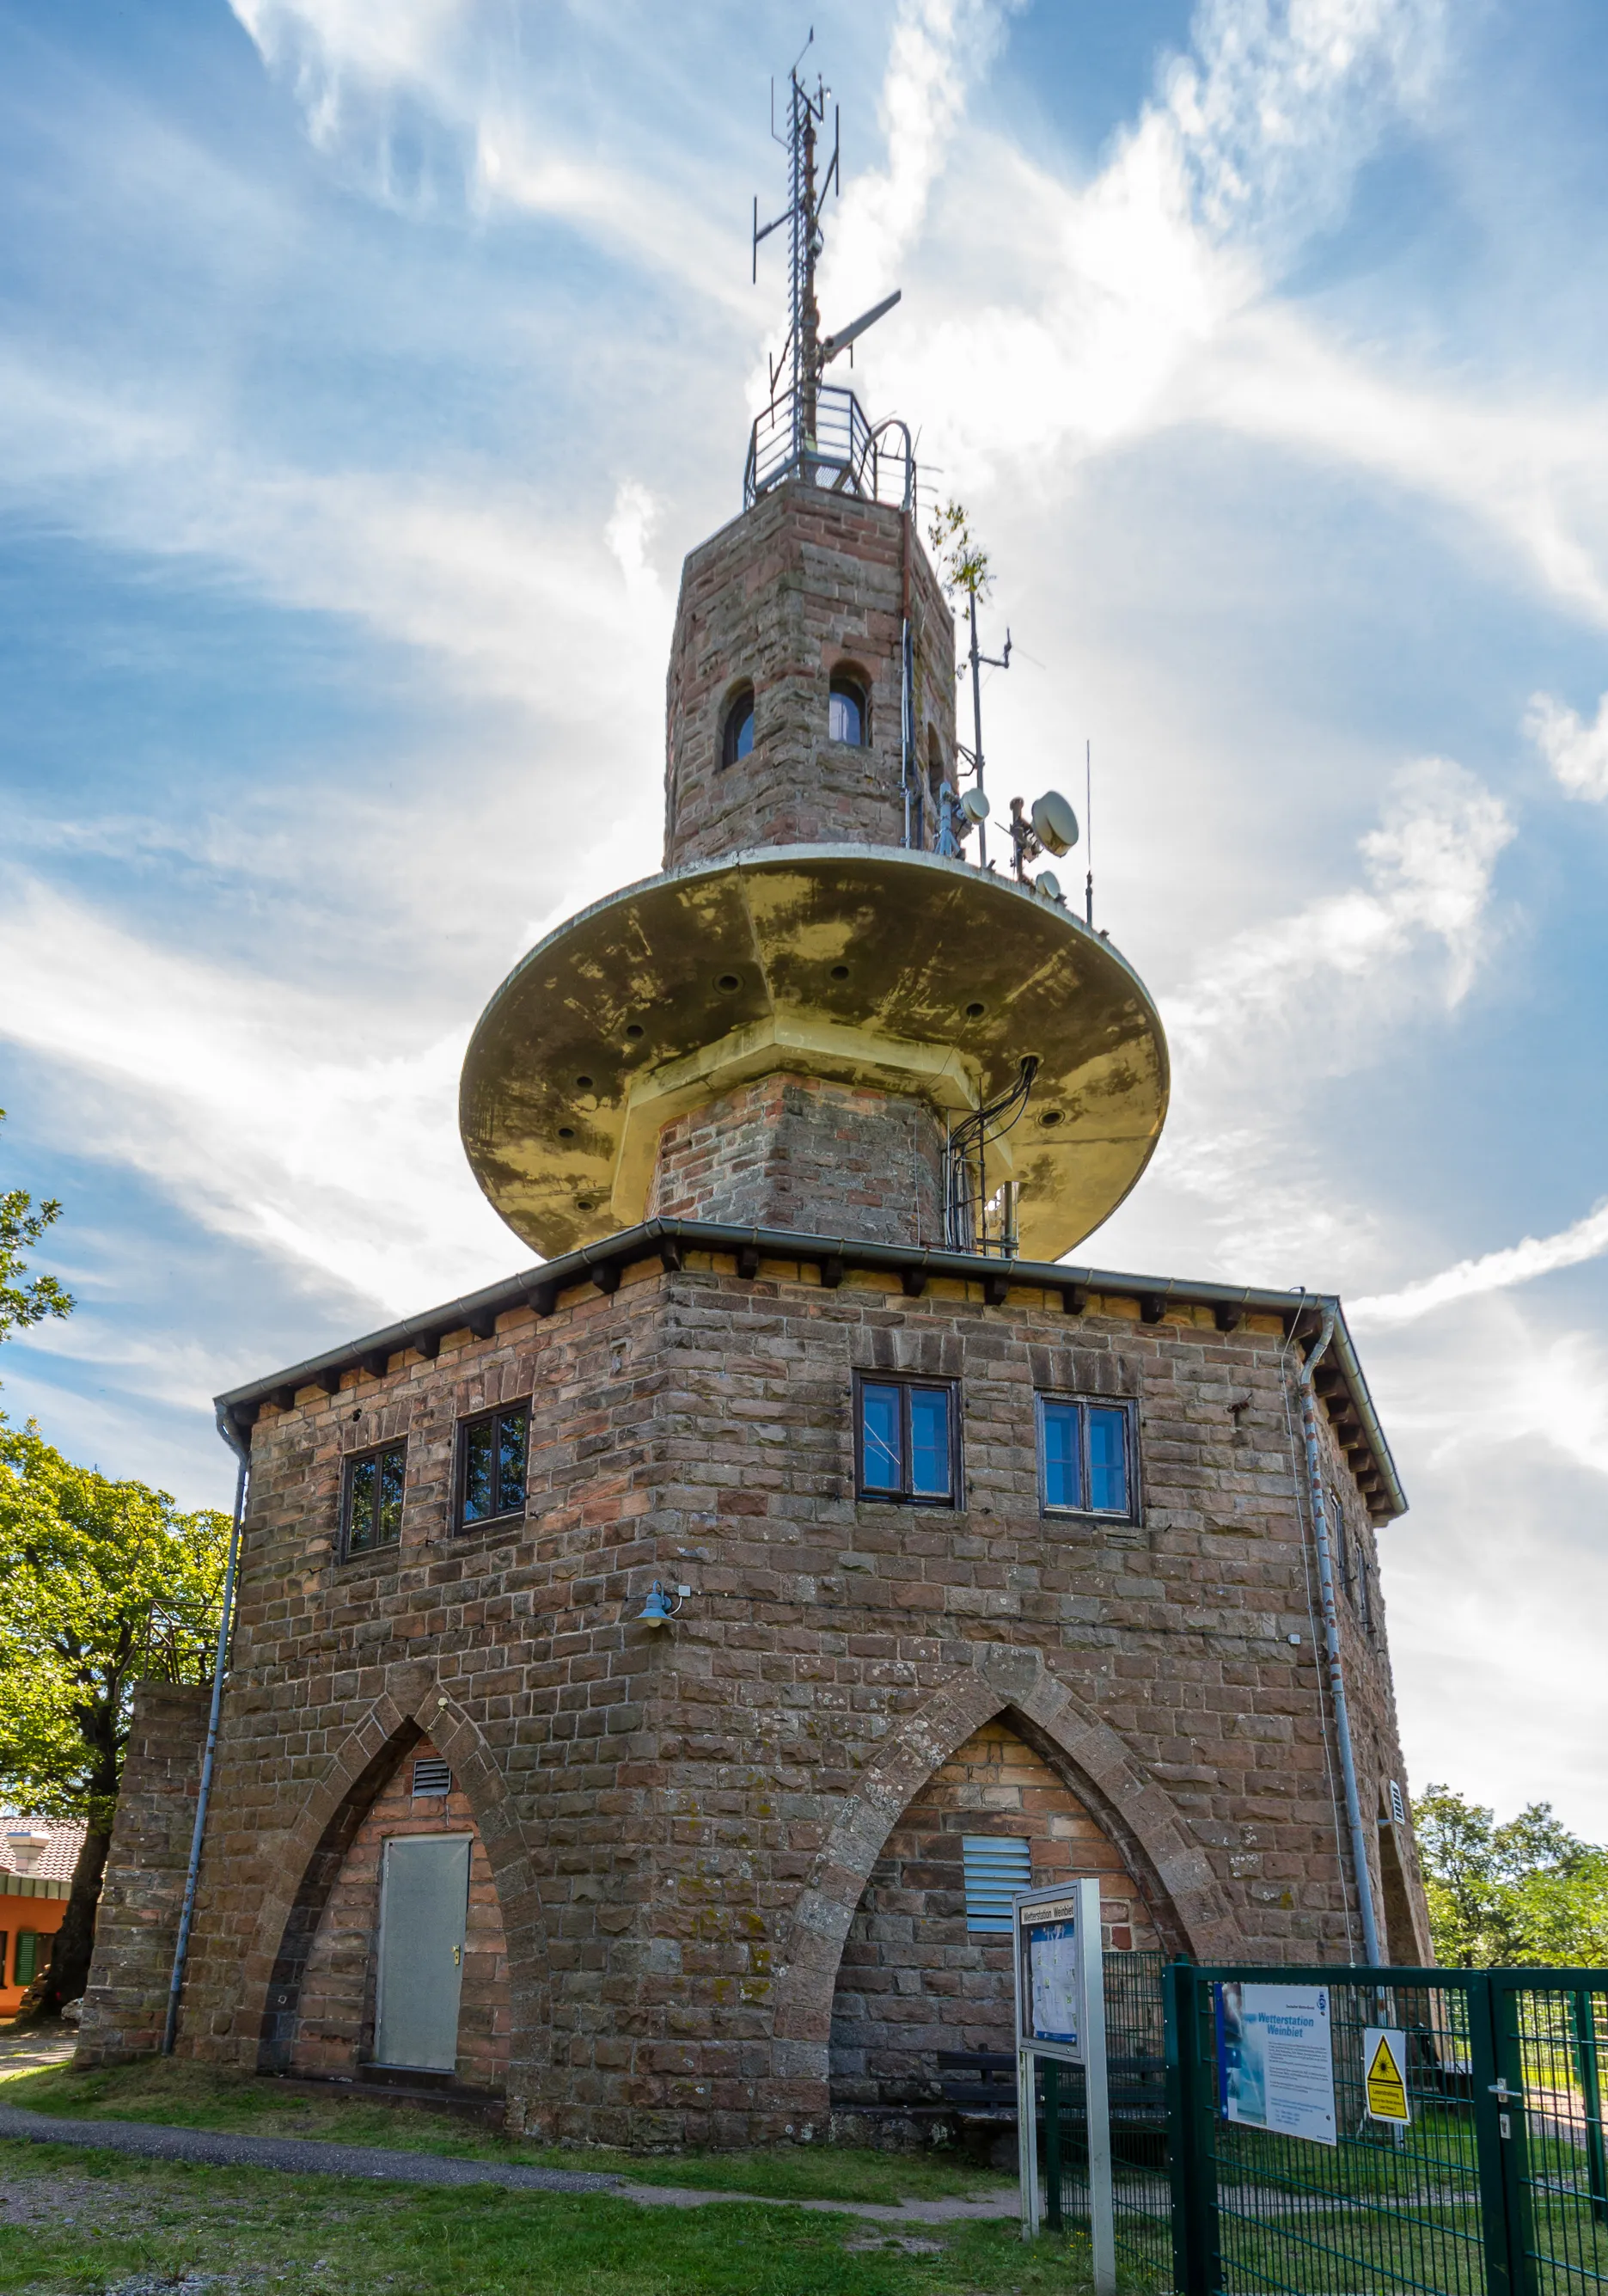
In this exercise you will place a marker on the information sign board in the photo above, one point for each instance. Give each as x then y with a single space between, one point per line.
1275 2060
1050 1986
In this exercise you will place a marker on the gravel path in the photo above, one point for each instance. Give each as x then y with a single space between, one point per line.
310 2157
212 2148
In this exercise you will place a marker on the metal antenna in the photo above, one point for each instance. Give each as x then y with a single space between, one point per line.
1088 834
978 660
805 355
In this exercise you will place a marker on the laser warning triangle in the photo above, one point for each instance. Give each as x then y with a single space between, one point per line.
1386 2078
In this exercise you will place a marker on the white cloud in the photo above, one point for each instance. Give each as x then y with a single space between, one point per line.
1493 1271
1577 753
488 578
1428 867
1283 1007
319 1129
937 52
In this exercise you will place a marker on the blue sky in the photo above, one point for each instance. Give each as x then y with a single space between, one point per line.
364 374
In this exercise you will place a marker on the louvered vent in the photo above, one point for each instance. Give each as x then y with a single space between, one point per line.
996 1866
432 1778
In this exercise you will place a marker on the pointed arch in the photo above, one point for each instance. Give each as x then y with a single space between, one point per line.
1174 1873
413 1704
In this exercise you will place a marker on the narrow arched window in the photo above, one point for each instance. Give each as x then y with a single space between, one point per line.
847 713
737 732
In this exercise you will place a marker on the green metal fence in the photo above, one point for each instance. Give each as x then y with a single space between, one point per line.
1136 2075
1495 2187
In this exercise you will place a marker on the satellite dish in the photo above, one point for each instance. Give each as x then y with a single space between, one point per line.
1055 823
974 805
1047 883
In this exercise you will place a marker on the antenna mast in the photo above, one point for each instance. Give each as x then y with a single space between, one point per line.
806 355
978 660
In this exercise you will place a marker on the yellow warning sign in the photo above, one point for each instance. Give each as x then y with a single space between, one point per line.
1384 2058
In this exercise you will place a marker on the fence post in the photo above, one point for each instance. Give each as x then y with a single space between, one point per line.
1190 2107
1027 2137
1584 2008
1490 2146
1051 2143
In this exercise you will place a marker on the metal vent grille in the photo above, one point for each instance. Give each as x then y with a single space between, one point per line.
432 1778
996 1866
1398 1805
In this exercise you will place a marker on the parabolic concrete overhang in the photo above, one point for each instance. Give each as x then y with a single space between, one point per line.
905 973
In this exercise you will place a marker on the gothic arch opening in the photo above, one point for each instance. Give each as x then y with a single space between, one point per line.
323 2000
920 1969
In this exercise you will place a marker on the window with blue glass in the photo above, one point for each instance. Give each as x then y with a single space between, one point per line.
847 714
491 1466
737 728
1085 1457
905 1441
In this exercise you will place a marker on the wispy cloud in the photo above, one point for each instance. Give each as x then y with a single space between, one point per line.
1577 752
1493 1271
319 1129
1427 869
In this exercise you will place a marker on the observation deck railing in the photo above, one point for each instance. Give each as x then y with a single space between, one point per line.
843 454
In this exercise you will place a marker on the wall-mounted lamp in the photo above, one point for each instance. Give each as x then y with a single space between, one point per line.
660 1608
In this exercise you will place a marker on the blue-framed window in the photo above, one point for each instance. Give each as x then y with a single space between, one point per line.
996 1866
907 1440
1087 1462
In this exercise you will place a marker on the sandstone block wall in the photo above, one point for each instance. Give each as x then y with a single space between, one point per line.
913 1978
335 2028
681 1828
804 584
141 1891
795 1152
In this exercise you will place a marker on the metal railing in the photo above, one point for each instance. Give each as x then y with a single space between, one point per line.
824 437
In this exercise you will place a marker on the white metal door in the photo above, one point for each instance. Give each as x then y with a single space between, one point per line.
423 1911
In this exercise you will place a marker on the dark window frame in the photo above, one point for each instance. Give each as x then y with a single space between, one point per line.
853 687
908 1383
464 1525
740 702
371 1453
1128 1407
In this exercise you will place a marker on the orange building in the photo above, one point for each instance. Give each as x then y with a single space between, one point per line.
37 1858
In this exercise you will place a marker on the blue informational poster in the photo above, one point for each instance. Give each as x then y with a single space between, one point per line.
1053 1959
1275 2060
1051 1978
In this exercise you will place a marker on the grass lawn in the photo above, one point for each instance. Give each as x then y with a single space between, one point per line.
195 2096
77 2223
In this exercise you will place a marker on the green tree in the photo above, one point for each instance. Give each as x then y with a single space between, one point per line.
962 561
101 1583
1524 1894
22 1227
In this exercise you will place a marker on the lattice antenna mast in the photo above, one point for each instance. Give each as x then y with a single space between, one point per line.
806 355
800 356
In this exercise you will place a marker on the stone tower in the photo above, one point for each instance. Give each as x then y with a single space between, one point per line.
981 1563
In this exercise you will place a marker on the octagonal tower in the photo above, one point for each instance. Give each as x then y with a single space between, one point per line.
699 1622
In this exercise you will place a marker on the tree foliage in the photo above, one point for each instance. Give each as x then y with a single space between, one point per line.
101 1583
962 561
1525 1894
26 1299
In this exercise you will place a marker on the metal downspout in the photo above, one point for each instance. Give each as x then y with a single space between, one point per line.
1337 1681
226 1429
